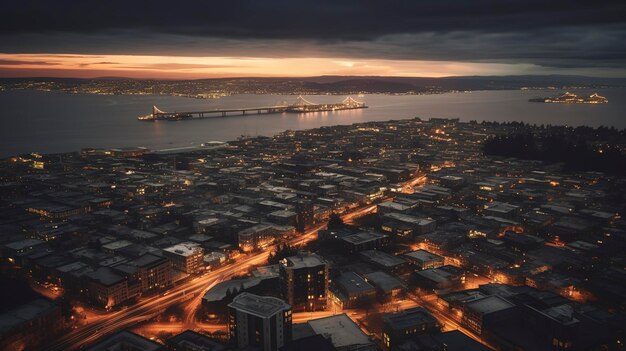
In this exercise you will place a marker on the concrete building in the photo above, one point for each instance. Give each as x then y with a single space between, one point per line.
155 272
259 321
127 341
29 326
343 333
304 280
186 257
385 261
386 285
364 241
351 290
256 237
107 288
423 259
399 326
482 312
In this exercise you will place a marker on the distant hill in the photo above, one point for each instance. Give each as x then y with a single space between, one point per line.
319 85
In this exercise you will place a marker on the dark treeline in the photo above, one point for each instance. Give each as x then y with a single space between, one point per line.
579 149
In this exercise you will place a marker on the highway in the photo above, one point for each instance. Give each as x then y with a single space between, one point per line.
149 307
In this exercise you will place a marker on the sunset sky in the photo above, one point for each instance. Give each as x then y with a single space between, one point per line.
198 39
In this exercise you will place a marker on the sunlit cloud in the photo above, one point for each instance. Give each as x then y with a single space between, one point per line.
146 66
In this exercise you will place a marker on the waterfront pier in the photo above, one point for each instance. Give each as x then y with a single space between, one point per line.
301 105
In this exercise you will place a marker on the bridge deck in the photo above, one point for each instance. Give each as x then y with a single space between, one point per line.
301 106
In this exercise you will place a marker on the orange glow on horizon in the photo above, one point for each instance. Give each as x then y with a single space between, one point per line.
191 67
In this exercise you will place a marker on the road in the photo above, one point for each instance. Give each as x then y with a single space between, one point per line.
149 307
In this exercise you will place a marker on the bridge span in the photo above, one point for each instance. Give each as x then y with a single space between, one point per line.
301 105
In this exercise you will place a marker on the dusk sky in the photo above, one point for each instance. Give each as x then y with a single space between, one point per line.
206 39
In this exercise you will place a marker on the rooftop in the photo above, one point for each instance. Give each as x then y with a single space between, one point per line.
363 237
304 261
384 281
341 331
105 276
423 256
260 306
489 304
353 282
125 340
408 318
184 249
382 258
24 313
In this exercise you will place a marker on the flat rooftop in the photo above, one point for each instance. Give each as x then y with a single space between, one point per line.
363 237
125 340
489 304
440 274
353 283
24 313
106 276
260 306
341 331
184 249
408 318
384 281
422 256
382 258
304 261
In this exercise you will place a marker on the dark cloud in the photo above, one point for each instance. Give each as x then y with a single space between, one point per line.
315 19
23 62
550 33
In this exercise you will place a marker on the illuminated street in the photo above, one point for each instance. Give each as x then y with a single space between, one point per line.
150 307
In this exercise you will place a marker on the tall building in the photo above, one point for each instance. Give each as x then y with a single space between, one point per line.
304 280
259 321
305 214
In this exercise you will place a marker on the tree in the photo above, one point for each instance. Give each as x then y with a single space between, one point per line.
335 222
66 307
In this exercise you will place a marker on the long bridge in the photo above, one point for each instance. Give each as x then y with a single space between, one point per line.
301 105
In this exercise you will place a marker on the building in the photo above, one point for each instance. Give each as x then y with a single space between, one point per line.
364 241
259 321
127 341
305 214
256 237
29 326
385 261
350 290
486 311
186 257
423 259
343 333
190 340
107 288
155 272
453 340
399 326
387 286
282 217
444 277
314 342
304 280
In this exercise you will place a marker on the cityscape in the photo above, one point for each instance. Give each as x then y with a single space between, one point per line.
348 220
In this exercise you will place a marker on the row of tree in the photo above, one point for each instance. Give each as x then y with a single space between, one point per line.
573 149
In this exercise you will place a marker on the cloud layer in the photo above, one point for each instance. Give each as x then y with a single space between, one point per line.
557 35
